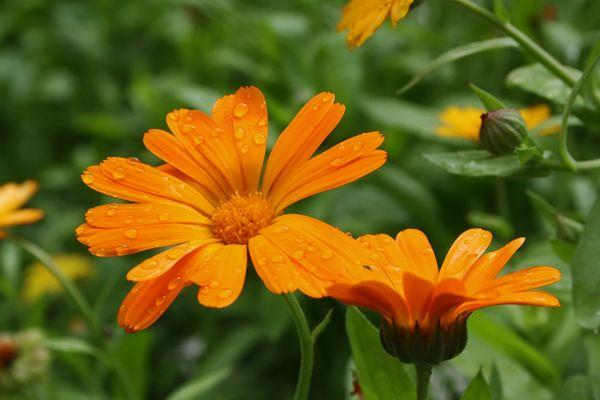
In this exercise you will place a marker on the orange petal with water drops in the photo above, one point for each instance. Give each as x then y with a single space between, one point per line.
400 9
373 295
210 144
342 164
362 18
525 279
465 251
14 195
489 265
221 275
385 260
417 255
162 262
168 148
118 215
282 273
136 175
122 241
323 250
244 117
302 137
20 217
148 300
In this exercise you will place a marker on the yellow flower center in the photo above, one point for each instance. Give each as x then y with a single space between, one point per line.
241 217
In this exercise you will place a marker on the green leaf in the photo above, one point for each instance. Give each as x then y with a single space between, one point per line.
73 345
478 389
508 342
490 102
567 229
495 223
496 384
456 54
586 272
501 11
381 376
482 163
200 386
536 79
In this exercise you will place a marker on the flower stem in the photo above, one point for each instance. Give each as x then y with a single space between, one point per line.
541 55
423 376
306 347
81 303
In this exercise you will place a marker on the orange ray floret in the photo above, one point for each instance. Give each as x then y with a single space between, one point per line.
361 18
208 206
12 197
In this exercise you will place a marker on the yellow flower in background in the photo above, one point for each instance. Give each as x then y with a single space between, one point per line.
361 18
465 122
39 281
12 197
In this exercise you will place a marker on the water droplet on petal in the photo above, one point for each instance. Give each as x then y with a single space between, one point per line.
164 216
149 264
259 139
88 179
278 258
357 146
79 230
262 122
122 249
159 300
338 162
312 247
298 255
244 149
111 212
280 229
216 132
213 284
174 283
198 140
118 173
239 133
326 97
187 128
225 294
327 254
130 233
128 219
175 254
240 110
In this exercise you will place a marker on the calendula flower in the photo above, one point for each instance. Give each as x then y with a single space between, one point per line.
12 197
361 18
210 203
39 281
465 122
424 309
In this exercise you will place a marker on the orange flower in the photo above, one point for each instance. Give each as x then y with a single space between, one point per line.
421 305
12 197
209 202
361 18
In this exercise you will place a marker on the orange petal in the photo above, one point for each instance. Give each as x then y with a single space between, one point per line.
133 215
418 293
320 248
282 273
342 164
385 260
465 251
446 295
220 275
14 195
136 175
244 117
148 300
210 144
362 18
375 296
163 262
489 265
121 241
166 147
417 255
526 279
21 217
302 137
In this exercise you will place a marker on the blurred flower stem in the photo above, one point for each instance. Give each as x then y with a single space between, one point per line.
306 347
535 50
423 376
42 256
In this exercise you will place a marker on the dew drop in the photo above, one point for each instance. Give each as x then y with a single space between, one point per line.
298 255
198 140
213 284
312 247
149 264
160 300
118 173
122 249
262 122
128 219
326 97
357 146
259 139
244 149
239 133
88 179
130 233
338 162
111 212
79 230
225 294
164 216
187 128
327 255
278 258
216 132
175 254
280 229
240 110
262 261
174 283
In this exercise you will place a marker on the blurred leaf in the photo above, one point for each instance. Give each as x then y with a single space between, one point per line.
536 79
74 345
496 384
586 272
508 342
457 54
381 376
196 388
501 11
134 352
577 388
495 223
563 249
567 229
478 389
490 102
482 163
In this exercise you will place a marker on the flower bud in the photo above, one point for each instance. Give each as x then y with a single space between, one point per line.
417 346
502 131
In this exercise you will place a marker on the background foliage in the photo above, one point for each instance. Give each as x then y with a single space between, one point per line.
83 80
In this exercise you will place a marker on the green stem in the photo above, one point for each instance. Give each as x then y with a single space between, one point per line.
306 347
83 306
423 376
525 41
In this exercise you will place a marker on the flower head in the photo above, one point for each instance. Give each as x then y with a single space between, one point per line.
361 18
39 281
12 197
465 122
423 309
212 204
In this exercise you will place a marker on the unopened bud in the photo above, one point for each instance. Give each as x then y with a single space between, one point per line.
502 131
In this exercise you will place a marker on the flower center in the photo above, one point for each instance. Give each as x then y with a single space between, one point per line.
242 217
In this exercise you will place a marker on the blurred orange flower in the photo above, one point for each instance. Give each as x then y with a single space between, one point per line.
465 122
12 197
414 298
207 202
361 18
